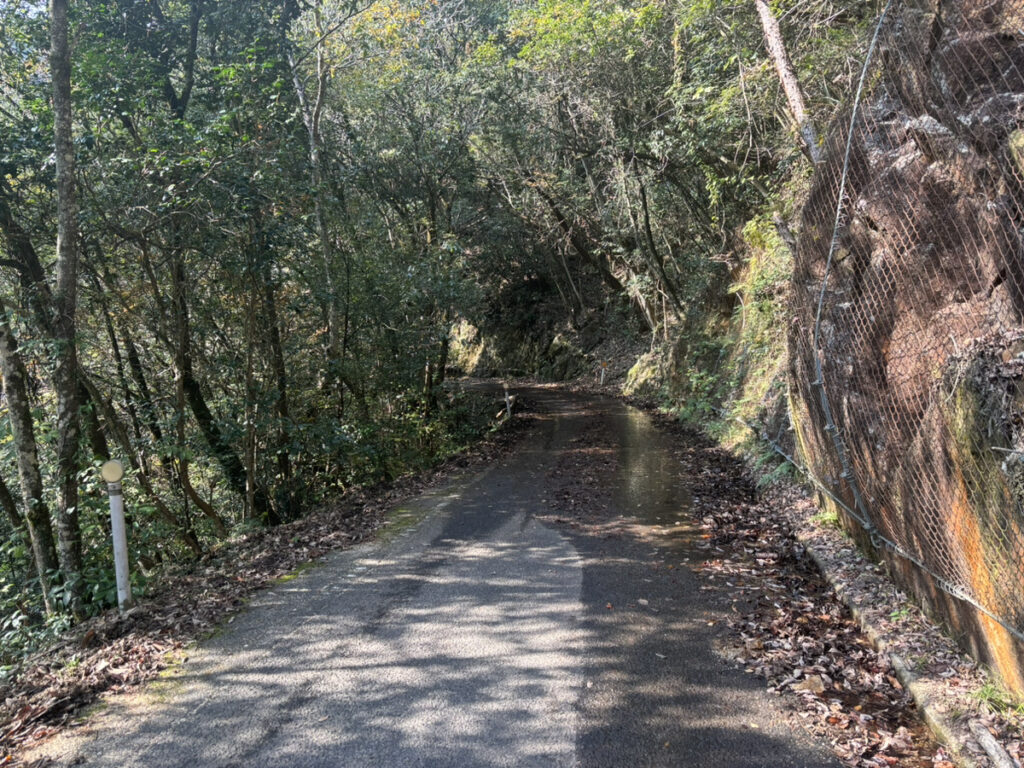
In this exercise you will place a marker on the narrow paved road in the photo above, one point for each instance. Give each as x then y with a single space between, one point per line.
476 635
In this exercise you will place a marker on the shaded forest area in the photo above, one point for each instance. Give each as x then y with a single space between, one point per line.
243 245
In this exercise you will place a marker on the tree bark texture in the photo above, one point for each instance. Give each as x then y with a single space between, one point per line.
790 83
37 516
65 376
10 507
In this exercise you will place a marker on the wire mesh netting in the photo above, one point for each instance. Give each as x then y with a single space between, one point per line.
907 349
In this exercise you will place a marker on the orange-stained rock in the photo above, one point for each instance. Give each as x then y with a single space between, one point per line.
922 326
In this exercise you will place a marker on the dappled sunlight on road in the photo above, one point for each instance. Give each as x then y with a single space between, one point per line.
477 635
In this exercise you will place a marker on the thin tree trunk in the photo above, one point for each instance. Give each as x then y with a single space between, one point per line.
250 413
345 334
37 516
232 466
569 307
312 114
277 364
442 356
790 83
428 388
29 267
10 507
182 466
579 307
149 412
65 375
659 261
120 436
204 506
91 424
579 244
115 348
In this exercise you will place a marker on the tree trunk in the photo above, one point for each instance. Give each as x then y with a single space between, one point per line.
312 114
120 436
790 83
65 300
277 364
580 245
11 507
41 301
204 506
23 253
249 441
37 516
225 454
440 373
93 429
149 410
428 388
656 257
122 375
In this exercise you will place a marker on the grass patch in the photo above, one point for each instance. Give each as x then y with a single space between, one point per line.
997 699
168 683
827 518
295 573
399 521
91 711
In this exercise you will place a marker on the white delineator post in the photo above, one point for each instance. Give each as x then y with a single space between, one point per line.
112 472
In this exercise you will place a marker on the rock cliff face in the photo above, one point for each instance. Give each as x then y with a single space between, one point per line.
921 339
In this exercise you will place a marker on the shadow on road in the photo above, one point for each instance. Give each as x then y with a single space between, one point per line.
484 637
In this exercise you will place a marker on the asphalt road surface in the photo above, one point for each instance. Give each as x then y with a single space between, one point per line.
474 634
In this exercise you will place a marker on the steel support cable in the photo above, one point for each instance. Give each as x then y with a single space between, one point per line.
861 515
941 582
878 538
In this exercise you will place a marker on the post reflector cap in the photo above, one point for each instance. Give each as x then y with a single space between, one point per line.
112 471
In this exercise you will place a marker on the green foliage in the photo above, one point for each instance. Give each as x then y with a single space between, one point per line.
998 699
828 517
23 624
285 208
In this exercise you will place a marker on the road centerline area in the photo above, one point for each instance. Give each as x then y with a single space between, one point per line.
491 633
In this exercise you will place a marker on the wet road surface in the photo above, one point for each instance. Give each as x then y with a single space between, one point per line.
476 634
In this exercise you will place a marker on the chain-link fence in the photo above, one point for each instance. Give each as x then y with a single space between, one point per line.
907 344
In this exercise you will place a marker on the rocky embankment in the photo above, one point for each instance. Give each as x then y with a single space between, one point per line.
921 339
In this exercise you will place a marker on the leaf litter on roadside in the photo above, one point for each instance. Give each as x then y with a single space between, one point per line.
790 627
787 624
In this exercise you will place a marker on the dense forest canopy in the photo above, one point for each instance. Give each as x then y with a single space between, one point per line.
244 283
